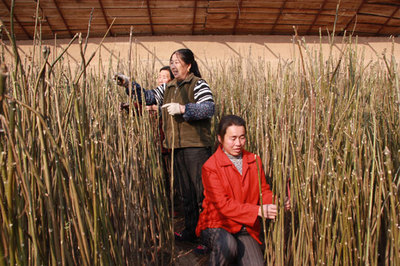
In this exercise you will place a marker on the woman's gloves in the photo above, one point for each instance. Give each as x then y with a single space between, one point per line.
174 108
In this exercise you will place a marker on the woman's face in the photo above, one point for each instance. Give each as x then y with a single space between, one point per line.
234 140
163 77
179 68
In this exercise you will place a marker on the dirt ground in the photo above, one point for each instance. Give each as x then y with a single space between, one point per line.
185 251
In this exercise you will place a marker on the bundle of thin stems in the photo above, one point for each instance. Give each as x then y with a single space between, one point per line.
328 131
82 183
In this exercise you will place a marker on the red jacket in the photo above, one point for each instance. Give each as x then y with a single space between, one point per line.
231 199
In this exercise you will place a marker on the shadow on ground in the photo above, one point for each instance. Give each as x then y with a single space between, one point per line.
185 251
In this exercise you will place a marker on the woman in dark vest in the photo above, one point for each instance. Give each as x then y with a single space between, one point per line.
187 107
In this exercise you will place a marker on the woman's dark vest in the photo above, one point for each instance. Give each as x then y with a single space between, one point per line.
196 133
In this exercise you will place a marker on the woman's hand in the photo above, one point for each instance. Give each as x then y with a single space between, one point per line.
174 108
124 106
287 204
153 107
121 79
270 211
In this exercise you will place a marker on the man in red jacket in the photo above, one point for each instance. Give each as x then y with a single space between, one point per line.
229 223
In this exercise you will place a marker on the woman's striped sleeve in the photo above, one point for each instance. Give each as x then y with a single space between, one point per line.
202 92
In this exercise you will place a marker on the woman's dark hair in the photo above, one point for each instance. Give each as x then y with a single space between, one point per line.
169 70
187 56
227 121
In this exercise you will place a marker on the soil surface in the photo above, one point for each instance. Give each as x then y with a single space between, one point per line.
185 251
